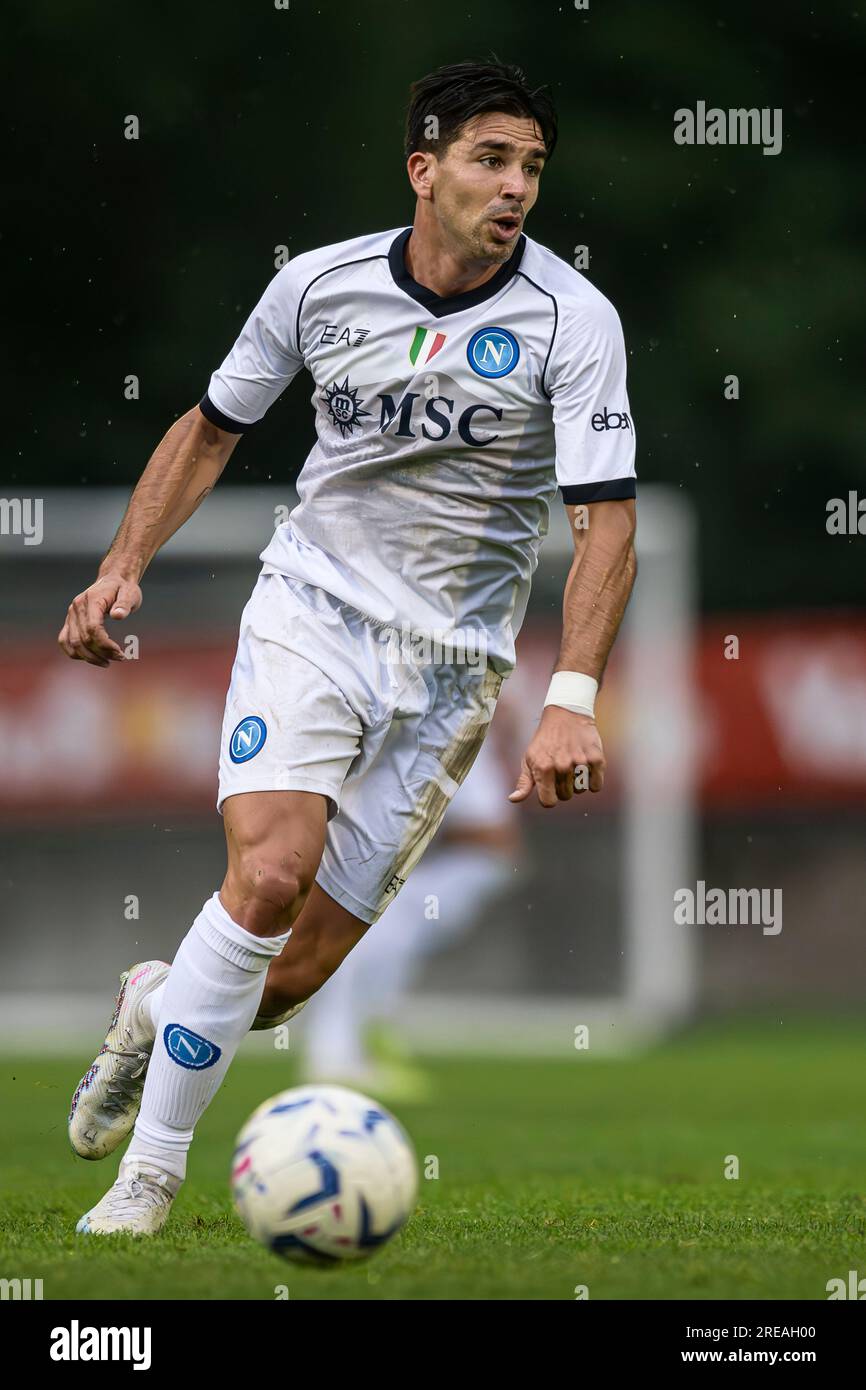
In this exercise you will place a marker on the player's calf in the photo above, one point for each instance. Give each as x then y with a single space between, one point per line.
323 935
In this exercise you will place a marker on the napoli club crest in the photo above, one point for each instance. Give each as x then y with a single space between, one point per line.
247 739
493 352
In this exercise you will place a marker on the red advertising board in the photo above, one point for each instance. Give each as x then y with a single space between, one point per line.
779 719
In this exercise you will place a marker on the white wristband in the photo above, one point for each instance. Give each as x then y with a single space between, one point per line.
573 691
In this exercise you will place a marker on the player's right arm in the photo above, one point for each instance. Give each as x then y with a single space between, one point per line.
190 459
182 471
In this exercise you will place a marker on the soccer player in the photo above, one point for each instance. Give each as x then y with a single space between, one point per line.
461 373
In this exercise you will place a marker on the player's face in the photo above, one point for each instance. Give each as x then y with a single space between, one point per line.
486 183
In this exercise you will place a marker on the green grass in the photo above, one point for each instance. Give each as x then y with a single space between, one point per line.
551 1175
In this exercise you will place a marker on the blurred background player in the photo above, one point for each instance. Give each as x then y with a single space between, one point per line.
352 1030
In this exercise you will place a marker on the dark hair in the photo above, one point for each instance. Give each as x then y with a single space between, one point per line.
459 92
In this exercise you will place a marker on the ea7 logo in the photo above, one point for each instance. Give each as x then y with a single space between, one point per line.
352 337
188 1049
856 1288
610 420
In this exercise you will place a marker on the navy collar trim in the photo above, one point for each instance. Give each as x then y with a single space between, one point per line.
450 304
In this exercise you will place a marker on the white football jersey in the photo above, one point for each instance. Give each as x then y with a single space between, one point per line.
444 427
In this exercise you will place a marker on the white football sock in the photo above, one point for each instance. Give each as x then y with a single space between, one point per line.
151 1005
211 996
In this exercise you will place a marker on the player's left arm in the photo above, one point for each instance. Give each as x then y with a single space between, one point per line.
597 590
595 469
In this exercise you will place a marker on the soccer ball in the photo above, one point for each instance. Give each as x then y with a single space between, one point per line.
321 1173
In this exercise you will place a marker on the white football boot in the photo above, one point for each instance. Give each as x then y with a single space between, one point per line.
108 1096
137 1203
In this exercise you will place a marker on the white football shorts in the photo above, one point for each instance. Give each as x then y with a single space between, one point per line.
323 699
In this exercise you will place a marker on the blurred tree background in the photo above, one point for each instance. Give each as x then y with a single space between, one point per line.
262 126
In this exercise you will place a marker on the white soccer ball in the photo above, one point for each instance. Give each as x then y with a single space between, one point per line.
321 1173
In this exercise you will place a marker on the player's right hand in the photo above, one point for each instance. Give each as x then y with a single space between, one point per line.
83 636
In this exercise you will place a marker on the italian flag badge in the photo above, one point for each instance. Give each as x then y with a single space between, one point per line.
425 345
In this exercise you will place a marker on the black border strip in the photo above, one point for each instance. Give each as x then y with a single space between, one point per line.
222 422
608 490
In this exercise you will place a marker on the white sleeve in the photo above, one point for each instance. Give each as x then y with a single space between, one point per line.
595 437
262 362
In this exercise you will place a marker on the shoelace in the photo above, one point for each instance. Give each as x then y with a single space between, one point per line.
121 1089
132 1196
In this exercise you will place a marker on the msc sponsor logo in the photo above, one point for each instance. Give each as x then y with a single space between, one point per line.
493 352
404 419
247 739
610 420
438 419
188 1049
344 407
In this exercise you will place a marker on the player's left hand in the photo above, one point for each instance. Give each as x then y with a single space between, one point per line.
562 742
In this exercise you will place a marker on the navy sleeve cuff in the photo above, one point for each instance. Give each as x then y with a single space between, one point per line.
216 417
611 490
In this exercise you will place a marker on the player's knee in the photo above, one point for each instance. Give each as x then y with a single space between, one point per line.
271 891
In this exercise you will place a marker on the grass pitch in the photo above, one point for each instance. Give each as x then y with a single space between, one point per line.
552 1174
